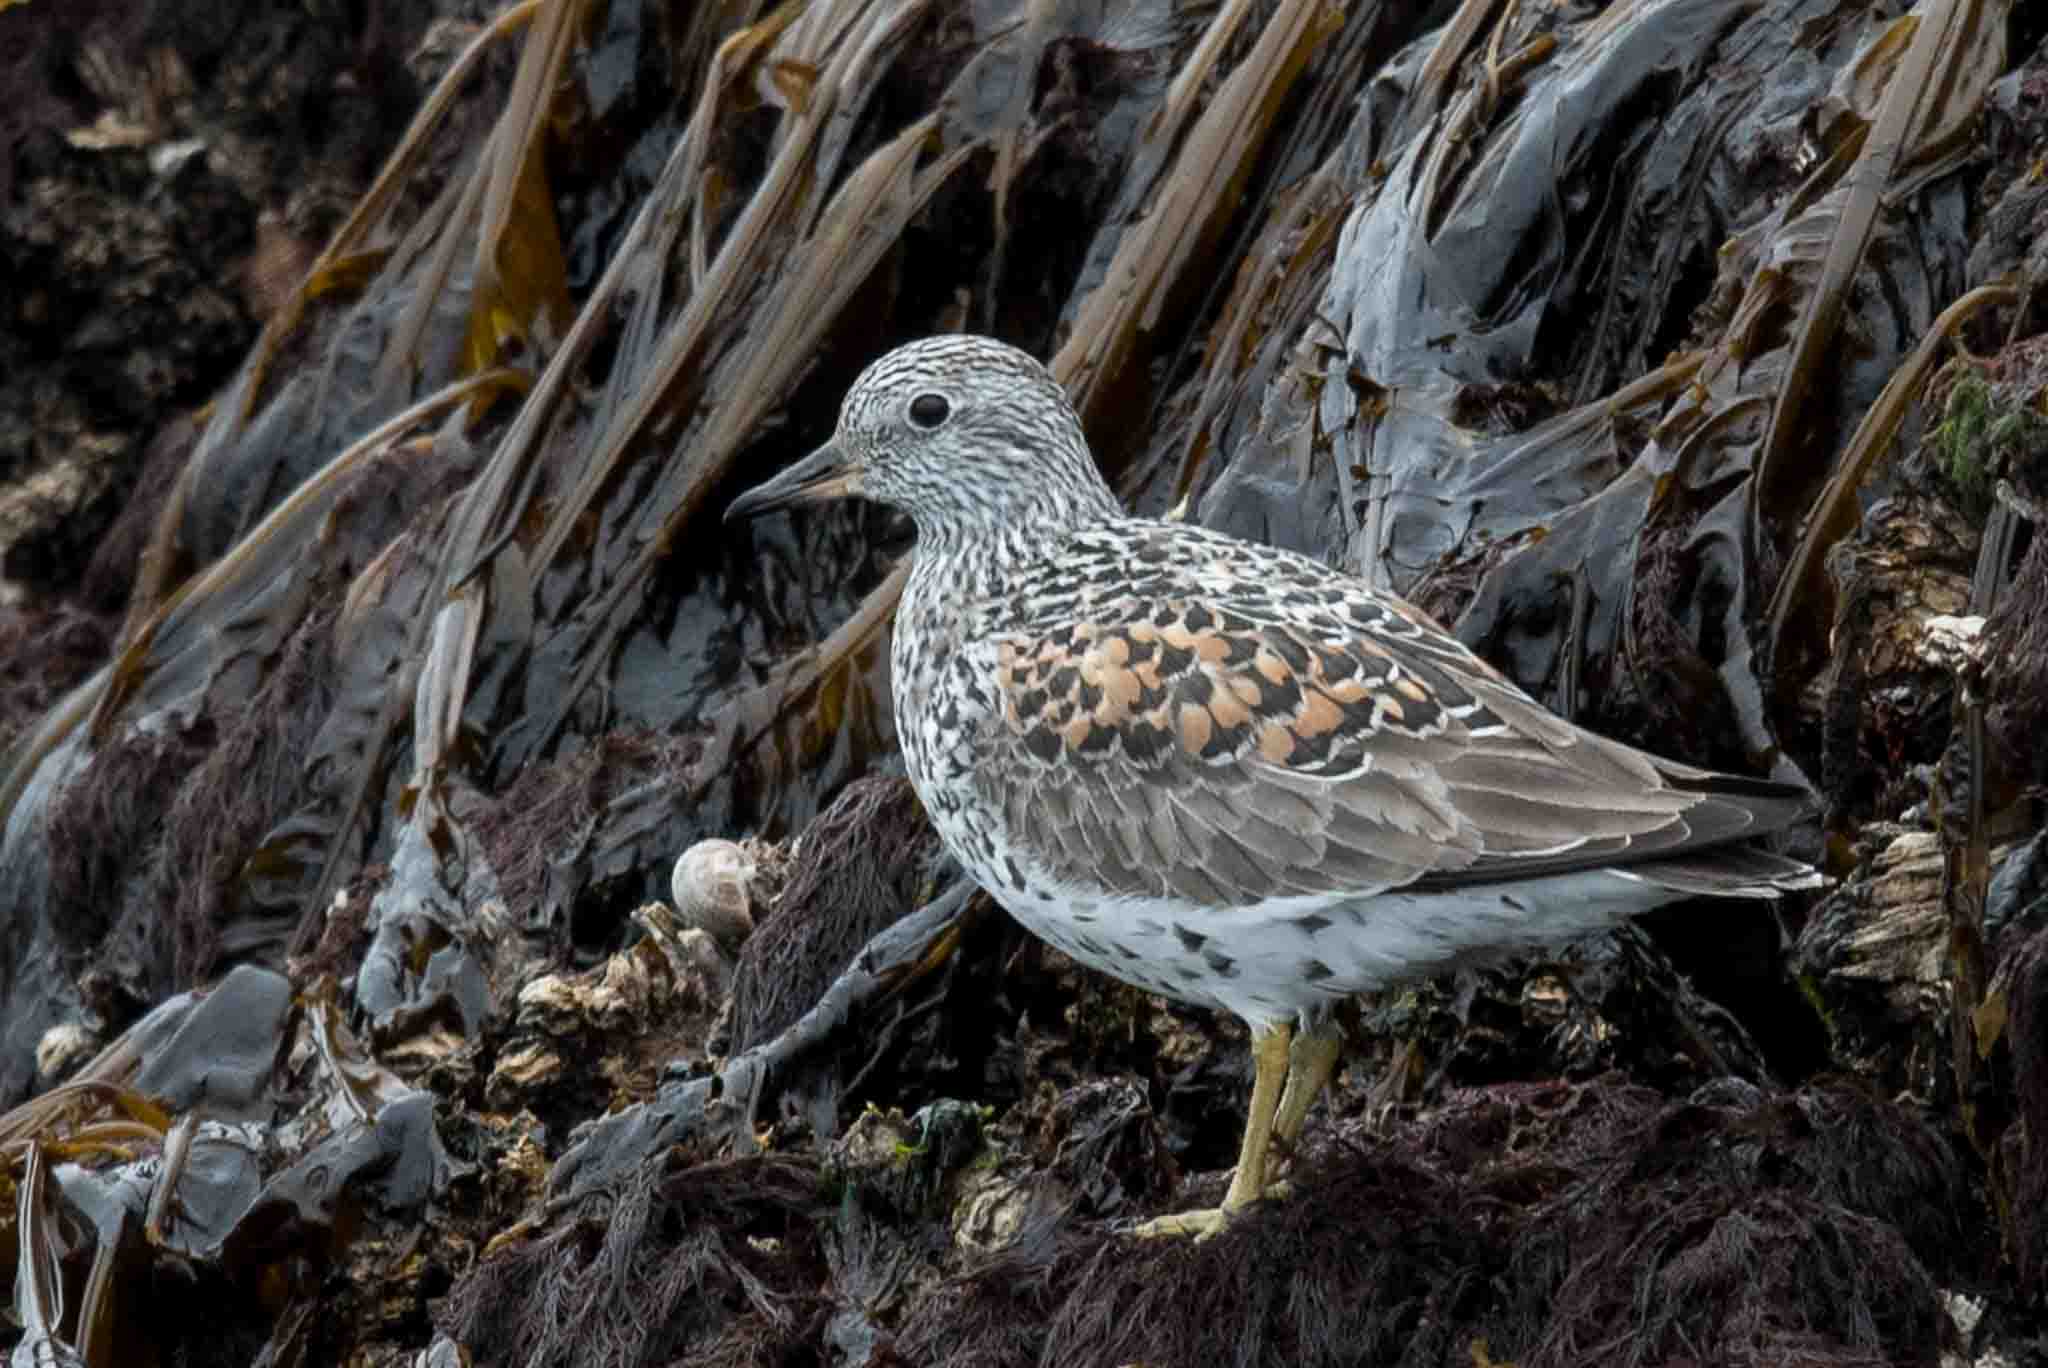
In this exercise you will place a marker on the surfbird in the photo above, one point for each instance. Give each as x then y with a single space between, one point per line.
1225 772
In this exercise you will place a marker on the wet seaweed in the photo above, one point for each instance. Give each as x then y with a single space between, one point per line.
1605 332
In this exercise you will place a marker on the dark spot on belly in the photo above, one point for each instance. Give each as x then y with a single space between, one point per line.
1312 923
1315 971
1190 940
1223 965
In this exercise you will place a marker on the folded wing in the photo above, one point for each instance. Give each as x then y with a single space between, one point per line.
1240 741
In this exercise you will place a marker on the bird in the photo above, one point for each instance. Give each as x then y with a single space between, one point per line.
1229 773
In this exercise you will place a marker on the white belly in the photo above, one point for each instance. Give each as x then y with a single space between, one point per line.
1278 961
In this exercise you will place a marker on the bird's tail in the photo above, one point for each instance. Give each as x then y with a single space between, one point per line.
1727 872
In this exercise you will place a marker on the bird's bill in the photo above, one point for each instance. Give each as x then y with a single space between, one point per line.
821 475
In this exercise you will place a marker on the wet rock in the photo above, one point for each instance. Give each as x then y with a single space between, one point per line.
1873 956
1882 706
903 1165
1553 319
586 1040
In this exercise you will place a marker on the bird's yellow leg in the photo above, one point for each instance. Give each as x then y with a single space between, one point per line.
1311 1059
1248 1184
1270 1050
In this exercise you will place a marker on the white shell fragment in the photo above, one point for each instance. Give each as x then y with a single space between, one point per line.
1951 642
710 886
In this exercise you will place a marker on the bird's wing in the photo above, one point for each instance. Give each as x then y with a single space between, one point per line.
1235 724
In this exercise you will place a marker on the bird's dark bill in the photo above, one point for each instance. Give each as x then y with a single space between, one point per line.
820 475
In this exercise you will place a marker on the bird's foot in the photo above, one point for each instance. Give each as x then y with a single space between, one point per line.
1206 1223
1291 1071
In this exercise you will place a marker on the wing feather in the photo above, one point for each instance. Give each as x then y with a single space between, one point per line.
1239 741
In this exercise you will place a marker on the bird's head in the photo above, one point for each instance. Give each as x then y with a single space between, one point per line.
965 434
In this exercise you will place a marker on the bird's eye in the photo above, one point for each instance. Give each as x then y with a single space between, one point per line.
929 410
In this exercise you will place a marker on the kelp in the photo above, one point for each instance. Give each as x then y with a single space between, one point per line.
1803 599
1589 330
177 1145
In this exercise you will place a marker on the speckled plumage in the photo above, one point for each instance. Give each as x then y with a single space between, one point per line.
1221 771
